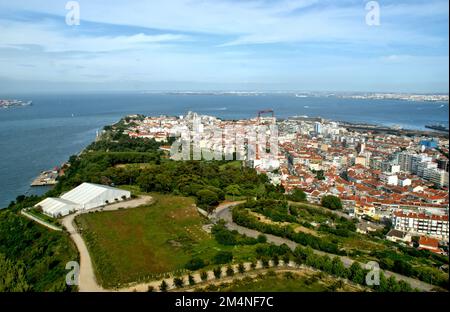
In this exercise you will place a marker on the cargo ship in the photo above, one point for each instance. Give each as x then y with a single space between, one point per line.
437 127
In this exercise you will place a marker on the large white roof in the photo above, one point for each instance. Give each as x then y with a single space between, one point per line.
86 192
53 205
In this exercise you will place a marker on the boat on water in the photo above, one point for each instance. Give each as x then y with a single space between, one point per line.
14 103
438 127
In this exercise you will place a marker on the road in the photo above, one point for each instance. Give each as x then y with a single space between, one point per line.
223 212
87 280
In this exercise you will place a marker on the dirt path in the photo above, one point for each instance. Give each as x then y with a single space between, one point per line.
87 280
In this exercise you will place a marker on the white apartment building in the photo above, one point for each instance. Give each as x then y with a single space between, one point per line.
422 224
389 179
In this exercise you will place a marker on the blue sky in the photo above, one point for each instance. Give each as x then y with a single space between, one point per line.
307 45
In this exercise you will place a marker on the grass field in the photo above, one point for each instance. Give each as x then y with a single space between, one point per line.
138 244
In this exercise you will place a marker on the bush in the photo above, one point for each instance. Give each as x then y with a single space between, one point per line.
207 199
195 264
163 287
288 275
265 262
331 202
178 282
262 238
223 257
230 270
297 196
203 275
231 238
276 260
217 272
191 280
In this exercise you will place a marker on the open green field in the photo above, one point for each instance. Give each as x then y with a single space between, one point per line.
141 243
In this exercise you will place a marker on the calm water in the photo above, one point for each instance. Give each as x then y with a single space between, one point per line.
44 135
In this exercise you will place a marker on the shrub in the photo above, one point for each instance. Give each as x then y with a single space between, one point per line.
230 270
331 202
163 287
217 272
288 275
265 262
191 280
223 257
276 260
178 282
203 275
262 238
297 196
195 264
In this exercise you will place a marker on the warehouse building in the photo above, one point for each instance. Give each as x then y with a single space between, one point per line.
84 197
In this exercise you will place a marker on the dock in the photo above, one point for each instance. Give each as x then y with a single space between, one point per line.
48 177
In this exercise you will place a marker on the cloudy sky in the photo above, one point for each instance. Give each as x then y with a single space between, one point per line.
315 45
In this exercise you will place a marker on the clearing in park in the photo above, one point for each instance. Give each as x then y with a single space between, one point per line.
140 244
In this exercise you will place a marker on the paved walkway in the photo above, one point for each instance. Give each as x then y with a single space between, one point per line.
223 212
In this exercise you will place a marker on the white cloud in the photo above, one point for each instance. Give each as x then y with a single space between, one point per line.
52 39
259 21
331 40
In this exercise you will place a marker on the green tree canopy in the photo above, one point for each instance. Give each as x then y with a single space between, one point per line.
331 202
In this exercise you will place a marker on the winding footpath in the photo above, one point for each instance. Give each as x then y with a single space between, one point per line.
223 212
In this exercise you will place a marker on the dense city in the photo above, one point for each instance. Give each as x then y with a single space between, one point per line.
380 178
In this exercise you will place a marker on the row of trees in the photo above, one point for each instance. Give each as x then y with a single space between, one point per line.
179 282
355 272
303 256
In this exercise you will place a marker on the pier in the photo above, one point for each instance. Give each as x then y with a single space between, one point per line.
48 177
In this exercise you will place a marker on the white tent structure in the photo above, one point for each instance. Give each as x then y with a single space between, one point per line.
57 207
89 195
83 197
